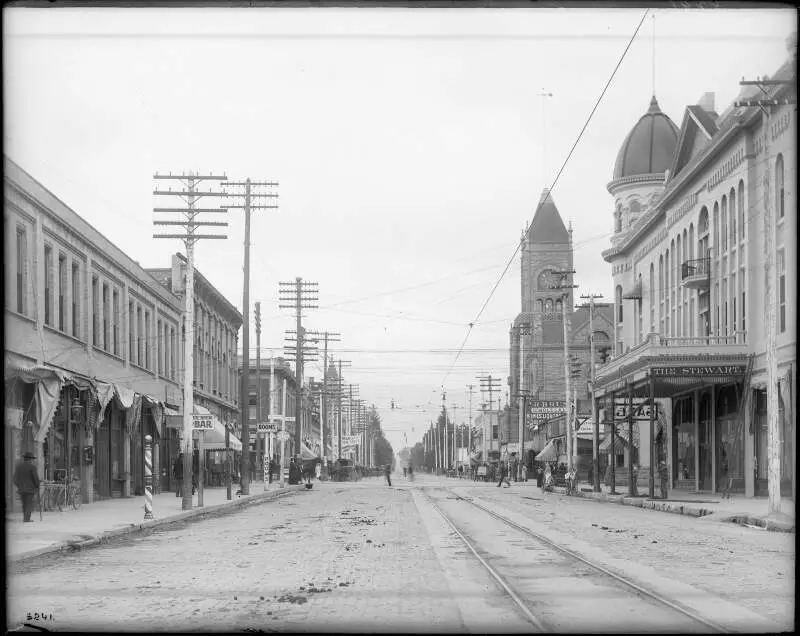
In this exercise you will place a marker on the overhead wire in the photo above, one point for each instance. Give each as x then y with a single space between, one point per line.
547 195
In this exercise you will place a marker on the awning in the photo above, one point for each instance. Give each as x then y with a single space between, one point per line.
214 439
306 453
605 446
548 454
634 292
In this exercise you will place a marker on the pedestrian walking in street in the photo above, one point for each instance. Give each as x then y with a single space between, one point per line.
388 472
723 467
273 468
318 470
26 479
503 475
540 477
405 471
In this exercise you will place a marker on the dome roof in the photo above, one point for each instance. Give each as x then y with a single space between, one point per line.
649 146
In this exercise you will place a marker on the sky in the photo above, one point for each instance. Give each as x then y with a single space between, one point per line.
410 147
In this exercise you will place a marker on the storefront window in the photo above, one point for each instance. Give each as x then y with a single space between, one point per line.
684 442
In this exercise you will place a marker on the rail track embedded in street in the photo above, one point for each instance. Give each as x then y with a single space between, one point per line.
519 599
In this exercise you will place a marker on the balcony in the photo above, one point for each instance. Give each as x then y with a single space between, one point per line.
664 349
696 273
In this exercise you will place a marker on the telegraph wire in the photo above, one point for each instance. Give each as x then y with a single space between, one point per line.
555 181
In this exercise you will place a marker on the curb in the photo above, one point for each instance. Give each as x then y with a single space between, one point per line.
772 525
193 514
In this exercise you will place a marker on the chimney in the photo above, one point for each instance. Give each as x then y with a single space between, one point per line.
706 102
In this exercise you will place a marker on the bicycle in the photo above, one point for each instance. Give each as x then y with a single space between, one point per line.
69 491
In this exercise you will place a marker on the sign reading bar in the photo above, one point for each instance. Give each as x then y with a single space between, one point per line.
640 411
267 427
202 422
547 407
735 369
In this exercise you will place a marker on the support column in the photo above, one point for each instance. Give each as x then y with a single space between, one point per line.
696 412
713 436
749 448
126 461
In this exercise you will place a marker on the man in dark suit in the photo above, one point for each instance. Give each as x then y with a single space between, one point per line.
26 479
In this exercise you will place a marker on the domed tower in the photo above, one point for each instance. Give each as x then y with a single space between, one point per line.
641 167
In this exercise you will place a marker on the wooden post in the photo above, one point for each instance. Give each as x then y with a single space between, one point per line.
651 490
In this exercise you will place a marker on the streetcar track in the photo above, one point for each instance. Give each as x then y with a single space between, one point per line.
625 582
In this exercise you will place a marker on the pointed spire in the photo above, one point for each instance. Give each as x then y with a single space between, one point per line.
547 225
654 107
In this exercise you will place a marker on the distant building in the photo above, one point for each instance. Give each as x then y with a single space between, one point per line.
537 336
687 260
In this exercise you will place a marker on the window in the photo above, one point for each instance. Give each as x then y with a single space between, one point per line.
131 334
558 307
691 241
732 204
48 285
733 304
652 299
62 292
106 319
147 340
781 271
160 352
742 312
172 353
724 306
619 304
661 294
539 306
76 295
95 310
724 223
639 317
139 339
779 187
116 321
740 204
618 218
715 230
22 270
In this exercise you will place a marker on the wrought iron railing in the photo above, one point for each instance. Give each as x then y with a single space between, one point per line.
696 267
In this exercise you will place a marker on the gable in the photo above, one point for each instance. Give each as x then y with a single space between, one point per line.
697 130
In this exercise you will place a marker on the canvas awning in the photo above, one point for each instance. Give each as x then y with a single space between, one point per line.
548 453
306 452
214 439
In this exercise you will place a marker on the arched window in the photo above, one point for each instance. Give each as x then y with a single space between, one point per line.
715 231
548 305
635 207
732 207
539 305
742 224
779 186
558 306
618 218
639 312
702 233
619 304
691 241
661 294
652 299
723 218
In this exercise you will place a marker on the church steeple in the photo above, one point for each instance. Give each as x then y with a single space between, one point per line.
547 225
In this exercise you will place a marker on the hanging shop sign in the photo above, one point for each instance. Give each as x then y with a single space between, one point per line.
640 411
547 407
283 436
267 427
202 422
693 371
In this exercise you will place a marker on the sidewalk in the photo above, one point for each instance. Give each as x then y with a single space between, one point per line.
751 511
101 520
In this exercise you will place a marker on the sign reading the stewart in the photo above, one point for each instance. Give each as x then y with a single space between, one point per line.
547 407
736 369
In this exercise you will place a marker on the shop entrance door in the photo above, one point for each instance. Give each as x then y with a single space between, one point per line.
705 434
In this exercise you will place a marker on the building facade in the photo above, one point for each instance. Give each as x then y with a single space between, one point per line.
536 338
688 265
216 363
92 347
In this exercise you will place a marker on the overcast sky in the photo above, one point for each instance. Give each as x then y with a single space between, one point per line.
408 145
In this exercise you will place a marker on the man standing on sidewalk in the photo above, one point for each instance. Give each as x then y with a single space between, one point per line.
388 472
26 479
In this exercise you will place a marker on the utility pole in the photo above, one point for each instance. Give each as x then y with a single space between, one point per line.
770 284
190 224
446 456
595 422
490 385
469 442
300 295
524 330
567 329
455 426
308 353
328 336
272 413
259 407
243 190
339 390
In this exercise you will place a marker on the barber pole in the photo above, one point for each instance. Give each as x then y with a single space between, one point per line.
148 477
